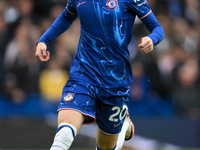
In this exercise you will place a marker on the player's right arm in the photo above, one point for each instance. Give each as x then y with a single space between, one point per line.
60 25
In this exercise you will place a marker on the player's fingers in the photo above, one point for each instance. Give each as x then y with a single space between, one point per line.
43 53
37 54
145 48
146 45
143 44
44 56
148 49
47 55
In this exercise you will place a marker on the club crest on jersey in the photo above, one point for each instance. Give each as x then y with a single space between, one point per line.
112 4
69 97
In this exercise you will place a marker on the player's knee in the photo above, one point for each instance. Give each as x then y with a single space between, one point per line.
64 137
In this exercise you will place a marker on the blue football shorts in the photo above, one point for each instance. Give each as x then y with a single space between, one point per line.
106 106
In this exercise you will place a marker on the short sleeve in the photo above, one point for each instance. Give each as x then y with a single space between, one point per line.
140 8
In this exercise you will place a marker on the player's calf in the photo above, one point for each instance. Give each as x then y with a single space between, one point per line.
131 129
126 133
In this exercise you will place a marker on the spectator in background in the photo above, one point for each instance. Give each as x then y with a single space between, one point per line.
175 8
179 18
55 75
3 32
191 12
25 8
139 89
185 36
186 91
20 63
3 41
63 55
71 36
52 80
143 100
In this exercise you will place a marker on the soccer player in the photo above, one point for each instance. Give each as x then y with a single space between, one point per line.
100 75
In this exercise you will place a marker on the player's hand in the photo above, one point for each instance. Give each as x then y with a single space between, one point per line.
146 45
41 52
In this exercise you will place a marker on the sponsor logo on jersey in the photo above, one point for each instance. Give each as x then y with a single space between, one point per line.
112 4
80 3
69 97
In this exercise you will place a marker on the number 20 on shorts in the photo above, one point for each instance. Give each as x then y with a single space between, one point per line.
119 112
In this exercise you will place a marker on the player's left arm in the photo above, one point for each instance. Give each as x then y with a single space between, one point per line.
156 36
142 9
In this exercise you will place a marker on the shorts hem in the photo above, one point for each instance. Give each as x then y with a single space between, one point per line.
108 133
86 123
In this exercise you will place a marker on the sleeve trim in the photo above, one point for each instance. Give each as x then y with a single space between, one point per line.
146 15
70 11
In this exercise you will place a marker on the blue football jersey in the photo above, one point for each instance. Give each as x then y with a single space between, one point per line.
106 30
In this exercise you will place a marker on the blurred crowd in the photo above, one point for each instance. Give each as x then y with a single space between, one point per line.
166 81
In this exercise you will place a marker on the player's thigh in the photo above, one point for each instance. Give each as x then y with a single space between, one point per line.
105 141
71 116
110 119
